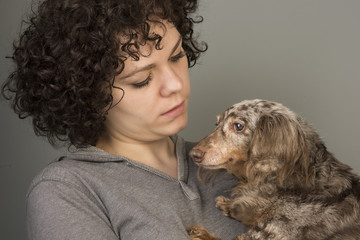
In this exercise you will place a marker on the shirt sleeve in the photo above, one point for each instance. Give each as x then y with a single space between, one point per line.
57 210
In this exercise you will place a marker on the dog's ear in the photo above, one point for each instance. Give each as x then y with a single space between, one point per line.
280 140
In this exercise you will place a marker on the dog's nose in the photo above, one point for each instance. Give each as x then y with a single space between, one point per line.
197 155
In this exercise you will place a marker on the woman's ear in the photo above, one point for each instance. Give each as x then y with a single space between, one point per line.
280 137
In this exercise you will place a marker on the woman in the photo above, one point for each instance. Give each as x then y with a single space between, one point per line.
110 77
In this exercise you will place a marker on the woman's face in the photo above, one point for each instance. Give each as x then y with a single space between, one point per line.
157 91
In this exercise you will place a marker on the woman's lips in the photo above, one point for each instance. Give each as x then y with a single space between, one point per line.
175 111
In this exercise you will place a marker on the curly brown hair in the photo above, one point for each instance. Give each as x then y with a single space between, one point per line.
68 56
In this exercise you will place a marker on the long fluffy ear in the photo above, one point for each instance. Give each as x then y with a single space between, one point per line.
279 140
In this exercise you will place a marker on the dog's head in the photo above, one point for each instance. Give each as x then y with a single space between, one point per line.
258 140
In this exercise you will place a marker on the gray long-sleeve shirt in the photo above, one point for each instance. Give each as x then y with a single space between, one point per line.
92 194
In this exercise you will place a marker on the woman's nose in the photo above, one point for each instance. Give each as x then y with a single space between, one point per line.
172 82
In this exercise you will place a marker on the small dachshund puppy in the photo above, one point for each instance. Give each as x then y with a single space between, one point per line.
289 186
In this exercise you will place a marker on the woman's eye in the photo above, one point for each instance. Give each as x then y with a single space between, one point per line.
143 83
238 127
178 56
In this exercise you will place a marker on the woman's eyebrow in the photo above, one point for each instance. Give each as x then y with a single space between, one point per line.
176 46
149 66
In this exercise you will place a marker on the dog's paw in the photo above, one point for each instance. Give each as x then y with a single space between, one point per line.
200 233
223 204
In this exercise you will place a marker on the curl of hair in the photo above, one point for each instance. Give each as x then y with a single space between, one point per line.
68 56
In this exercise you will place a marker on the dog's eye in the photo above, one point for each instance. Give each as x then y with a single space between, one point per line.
238 127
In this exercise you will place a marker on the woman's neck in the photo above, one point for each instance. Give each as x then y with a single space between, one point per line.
159 154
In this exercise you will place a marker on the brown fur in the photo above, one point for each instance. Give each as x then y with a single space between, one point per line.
290 187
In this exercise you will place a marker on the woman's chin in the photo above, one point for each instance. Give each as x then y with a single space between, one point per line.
178 124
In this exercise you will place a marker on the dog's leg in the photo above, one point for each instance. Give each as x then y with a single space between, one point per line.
200 233
226 205
223 204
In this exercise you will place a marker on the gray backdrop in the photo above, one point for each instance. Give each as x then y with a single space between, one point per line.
302 53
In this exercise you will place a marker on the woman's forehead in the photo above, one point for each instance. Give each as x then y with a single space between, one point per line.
136 38
148 53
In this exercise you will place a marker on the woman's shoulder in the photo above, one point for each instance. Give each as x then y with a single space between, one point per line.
60 171
77 168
